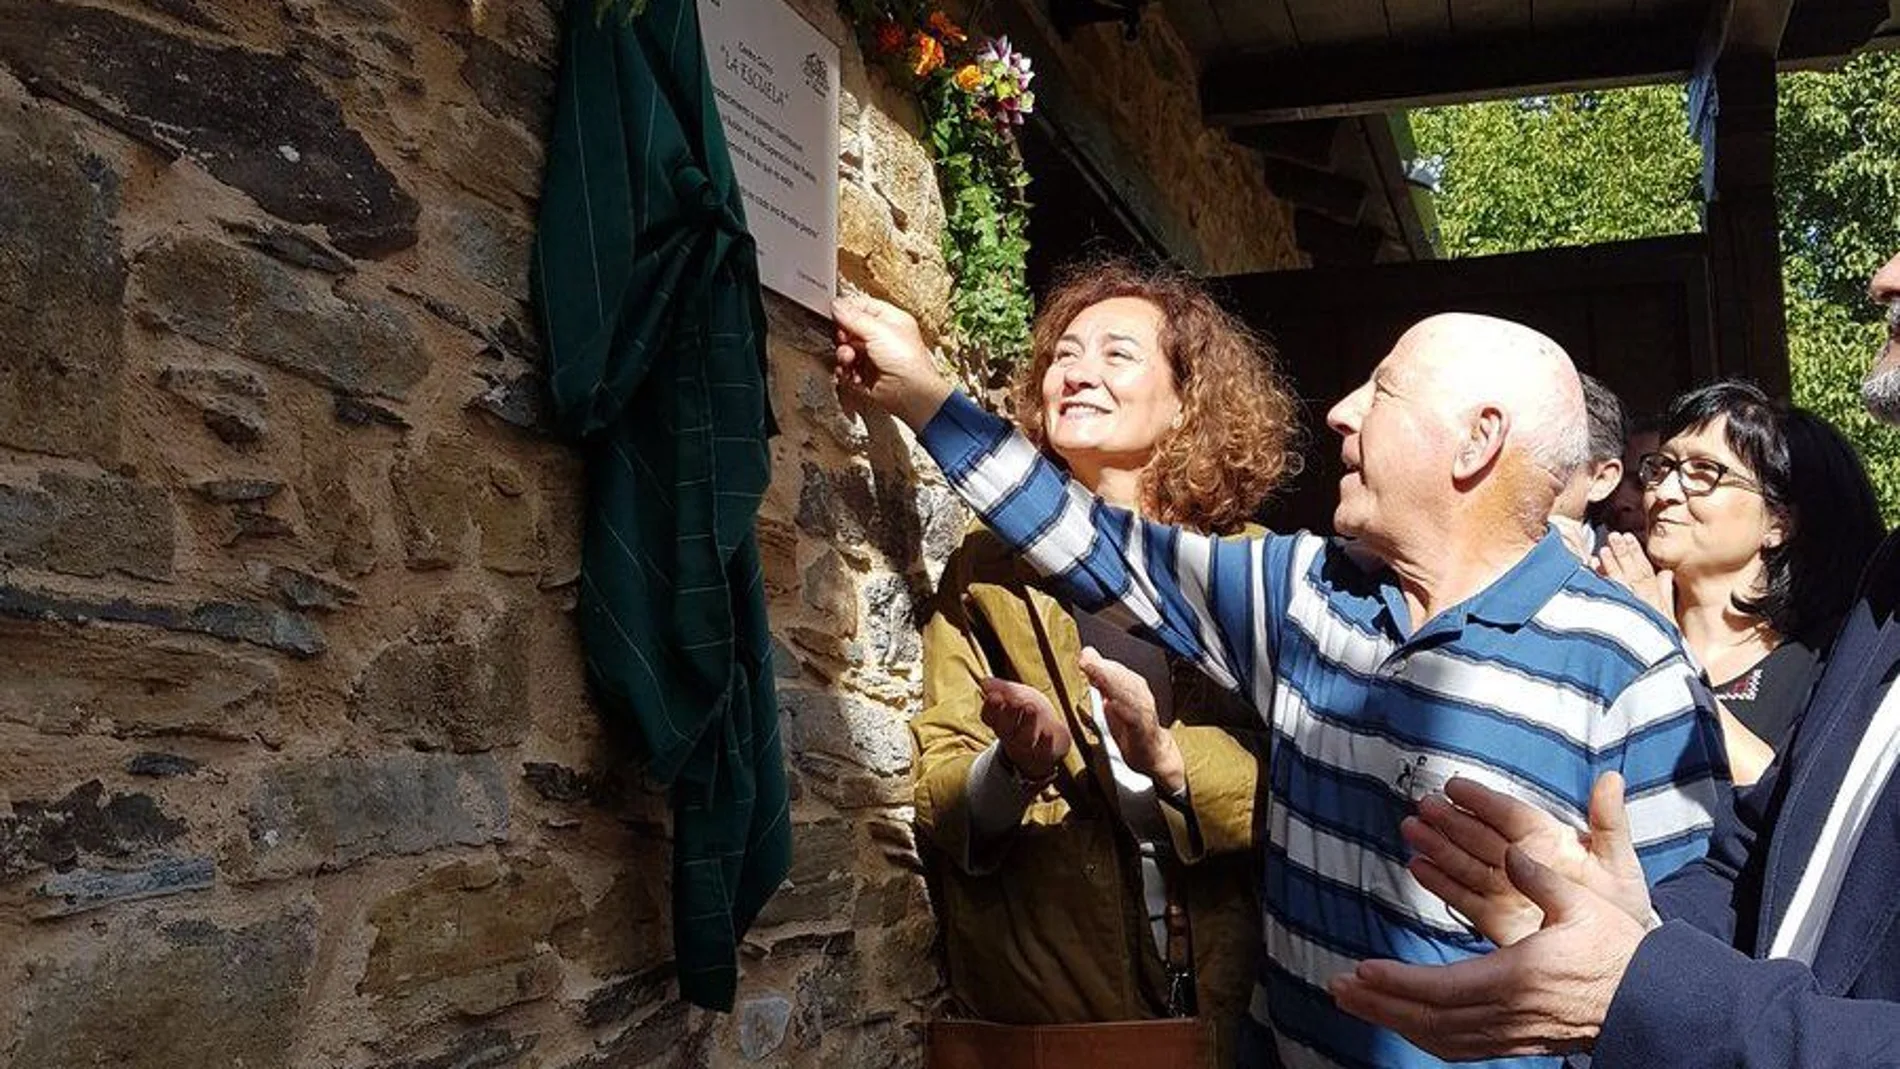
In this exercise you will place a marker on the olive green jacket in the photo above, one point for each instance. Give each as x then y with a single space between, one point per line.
1054 931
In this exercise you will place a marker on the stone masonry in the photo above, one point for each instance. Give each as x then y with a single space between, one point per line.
297 766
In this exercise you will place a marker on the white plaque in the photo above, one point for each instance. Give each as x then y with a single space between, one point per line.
776 82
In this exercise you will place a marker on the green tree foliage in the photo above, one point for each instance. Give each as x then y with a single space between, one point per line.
1562 170
1838 179
1838 175
1593 167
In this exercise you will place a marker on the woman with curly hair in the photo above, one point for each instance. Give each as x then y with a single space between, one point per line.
1081 878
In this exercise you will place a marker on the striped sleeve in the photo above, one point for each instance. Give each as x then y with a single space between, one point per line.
1203 598
1662 734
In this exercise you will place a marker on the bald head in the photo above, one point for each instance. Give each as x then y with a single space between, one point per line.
1457 445
1469 362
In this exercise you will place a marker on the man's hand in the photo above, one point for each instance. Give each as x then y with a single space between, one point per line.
1034 735
1547 994
1462 843
1129 707
1623 561
882 360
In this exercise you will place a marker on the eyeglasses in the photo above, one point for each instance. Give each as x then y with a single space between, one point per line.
1698 476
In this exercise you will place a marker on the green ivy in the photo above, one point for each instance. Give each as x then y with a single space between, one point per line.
980 175
985 238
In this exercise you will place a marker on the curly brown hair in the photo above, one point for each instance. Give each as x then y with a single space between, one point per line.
1239 421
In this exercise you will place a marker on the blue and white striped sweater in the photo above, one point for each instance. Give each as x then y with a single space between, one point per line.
1536 686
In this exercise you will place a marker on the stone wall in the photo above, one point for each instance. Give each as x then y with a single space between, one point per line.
297 767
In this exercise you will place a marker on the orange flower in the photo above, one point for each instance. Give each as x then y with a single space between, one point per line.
969 78
926 54
945 29
890 37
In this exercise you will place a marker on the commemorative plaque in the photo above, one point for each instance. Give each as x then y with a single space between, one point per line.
775 79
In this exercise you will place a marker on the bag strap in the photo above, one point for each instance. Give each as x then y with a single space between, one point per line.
1179 958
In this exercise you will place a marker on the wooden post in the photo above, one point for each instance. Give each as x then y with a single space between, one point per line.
1732 100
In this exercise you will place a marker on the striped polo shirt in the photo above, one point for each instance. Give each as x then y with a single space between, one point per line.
1537 685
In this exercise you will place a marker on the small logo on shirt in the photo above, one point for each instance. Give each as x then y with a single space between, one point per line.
1418 777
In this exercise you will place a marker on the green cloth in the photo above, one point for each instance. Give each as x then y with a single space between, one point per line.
647 286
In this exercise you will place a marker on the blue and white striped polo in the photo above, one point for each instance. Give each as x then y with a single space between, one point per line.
1537 685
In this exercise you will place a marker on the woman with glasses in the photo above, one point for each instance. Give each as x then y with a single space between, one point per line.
1760 519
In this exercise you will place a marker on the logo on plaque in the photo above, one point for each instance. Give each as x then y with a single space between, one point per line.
817 73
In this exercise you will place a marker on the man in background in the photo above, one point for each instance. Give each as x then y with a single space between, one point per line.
1583 504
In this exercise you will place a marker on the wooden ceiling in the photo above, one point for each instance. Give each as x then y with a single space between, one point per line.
1277 25
1267 61
1315 85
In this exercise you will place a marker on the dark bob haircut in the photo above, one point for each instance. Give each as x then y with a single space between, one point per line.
1813 481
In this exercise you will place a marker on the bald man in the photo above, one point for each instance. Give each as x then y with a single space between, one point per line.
1779 949
1454 635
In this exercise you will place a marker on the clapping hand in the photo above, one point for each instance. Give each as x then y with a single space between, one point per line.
1129 707
1546 994
1034 736
1623 560
1462 840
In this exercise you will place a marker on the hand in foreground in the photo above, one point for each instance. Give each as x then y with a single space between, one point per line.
1623 561
1462 842
882 360
1129 707
1547 994
1034 735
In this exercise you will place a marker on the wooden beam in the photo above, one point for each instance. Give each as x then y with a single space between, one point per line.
1738 178
1366 79
1732 108
1483 16
1318 23
1258 23
1547 15
1708 52
1736 32
1389 137
1314 143
1755 27
1418 20
1819 35
1330 243
1332 195
1434 285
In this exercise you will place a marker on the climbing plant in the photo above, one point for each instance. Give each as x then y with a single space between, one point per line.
974 95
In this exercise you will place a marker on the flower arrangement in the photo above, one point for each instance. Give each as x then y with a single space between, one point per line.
992 76
999 82
974 94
